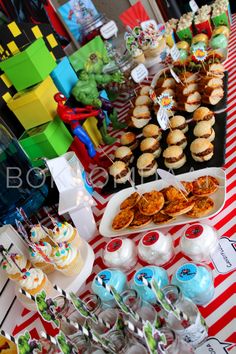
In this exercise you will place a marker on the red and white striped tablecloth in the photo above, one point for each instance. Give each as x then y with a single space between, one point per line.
220 313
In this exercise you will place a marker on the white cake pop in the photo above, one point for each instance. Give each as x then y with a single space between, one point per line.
199 241
120 253
156 248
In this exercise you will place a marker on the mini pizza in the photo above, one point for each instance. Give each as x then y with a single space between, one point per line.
131 201
205 185
202 207
139 220
161 218
179 207
163 191
123 219
172 193
150 203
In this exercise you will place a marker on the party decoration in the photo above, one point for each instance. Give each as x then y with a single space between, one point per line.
46 307
155 340
165 101
66 346
199 52
27 345
134 15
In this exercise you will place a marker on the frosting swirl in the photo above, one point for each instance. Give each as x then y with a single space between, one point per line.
10 267
36 257
37 233
32 279
63 232
63 256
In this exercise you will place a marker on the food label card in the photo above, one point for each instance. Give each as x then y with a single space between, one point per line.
174 52
162 118
224 258
109 30
213 346
139 73
193 5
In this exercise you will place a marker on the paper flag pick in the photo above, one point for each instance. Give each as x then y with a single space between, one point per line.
200 53
170 179
165 101
134 15
163 119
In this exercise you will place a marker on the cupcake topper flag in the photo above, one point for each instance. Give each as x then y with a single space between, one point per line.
165 102
5 255
200 54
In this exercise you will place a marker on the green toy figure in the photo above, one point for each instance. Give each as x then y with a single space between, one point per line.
65 346
26 345
46 308
86 92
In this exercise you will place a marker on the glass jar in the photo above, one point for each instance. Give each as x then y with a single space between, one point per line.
195 332
91 27
195 280
125 345
21 186
146 311
175 345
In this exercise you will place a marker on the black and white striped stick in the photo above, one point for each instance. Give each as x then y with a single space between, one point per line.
87 331
134 329
8 336
165 302
93 316
50 338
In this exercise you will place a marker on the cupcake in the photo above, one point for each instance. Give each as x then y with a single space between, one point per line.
34 281
11 269
65 232
7 347
38 260
67 259
138 56
37 233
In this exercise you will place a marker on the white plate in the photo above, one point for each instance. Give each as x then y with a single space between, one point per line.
112 207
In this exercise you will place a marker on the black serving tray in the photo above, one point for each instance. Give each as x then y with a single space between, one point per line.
217 160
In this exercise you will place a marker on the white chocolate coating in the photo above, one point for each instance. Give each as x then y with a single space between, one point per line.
120 253
200 247
156 248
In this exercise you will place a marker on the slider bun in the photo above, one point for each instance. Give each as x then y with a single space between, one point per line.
147 143
200 113
172 151
175 136
152 130
199 145
122 151
127 138
202 128
145 90
144 160
176 165
140 122
143 100
116 168
141 112
124 179
149 172
177 121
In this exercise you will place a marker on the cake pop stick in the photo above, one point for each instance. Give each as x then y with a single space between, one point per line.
166 303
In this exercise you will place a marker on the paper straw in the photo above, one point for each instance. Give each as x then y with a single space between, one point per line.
87 331
50 338
8 336
126 309
134 329
82 309
165 302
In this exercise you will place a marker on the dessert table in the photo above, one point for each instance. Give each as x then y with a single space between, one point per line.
220 312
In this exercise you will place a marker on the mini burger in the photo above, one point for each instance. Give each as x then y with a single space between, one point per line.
174 157
151 145
177 137
124 154
201 150
144 90
179 122
143 100
120 172
204 114
141 116
129 139
147 165
204 130
152 131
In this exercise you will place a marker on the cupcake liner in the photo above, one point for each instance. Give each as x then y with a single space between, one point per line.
45 267
74 267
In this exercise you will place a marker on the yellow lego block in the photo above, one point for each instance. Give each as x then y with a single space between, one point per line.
13 47
14 29
36 31
6 81
90 125
53 56
7 97
52 40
